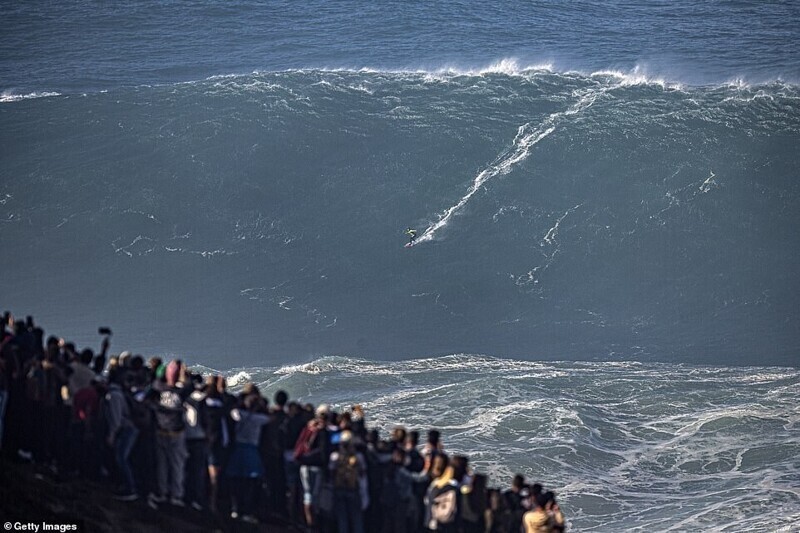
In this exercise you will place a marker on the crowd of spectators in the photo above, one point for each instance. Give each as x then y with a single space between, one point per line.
168 438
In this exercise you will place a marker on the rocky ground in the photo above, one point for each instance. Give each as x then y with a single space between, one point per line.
33 499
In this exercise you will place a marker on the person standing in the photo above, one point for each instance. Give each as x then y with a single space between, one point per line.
121 436
246 469
171 451
348 468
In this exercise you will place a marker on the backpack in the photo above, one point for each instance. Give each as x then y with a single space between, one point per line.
444 506
346 475
304 442
170 412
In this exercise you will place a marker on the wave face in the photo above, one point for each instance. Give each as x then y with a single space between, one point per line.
626 446
260 217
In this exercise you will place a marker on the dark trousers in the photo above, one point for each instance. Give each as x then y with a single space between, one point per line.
244 492
80 450
347 507
143 459
196 471
276 481
396 517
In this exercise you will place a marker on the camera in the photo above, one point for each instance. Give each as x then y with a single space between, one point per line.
104 331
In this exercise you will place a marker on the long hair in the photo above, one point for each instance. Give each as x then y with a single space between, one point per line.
446 477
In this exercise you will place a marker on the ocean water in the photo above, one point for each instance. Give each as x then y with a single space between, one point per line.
628 446
610 185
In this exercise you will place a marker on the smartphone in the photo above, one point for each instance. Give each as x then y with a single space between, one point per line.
104 331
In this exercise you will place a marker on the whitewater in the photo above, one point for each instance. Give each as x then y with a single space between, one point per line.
627 446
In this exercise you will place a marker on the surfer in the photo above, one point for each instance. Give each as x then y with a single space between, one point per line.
412 235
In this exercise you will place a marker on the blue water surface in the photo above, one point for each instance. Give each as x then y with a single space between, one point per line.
78 46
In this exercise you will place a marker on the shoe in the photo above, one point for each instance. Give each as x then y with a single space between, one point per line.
126 497
250 519
177 502
197 507
25 455
153 501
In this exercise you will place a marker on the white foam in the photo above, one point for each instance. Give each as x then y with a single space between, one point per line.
127 249
527 137
509 66
521 148
7 96
305 368
142 213
552 232
693 442
736 83
709 183
238 378
638 75
361 88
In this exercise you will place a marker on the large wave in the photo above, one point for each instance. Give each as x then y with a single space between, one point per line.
635 75
568 215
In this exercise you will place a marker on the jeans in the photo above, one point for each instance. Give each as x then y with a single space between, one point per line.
347 506
123 444
170 461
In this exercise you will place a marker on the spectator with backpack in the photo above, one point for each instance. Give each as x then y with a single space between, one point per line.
347 468
441 503
311 453
537 520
